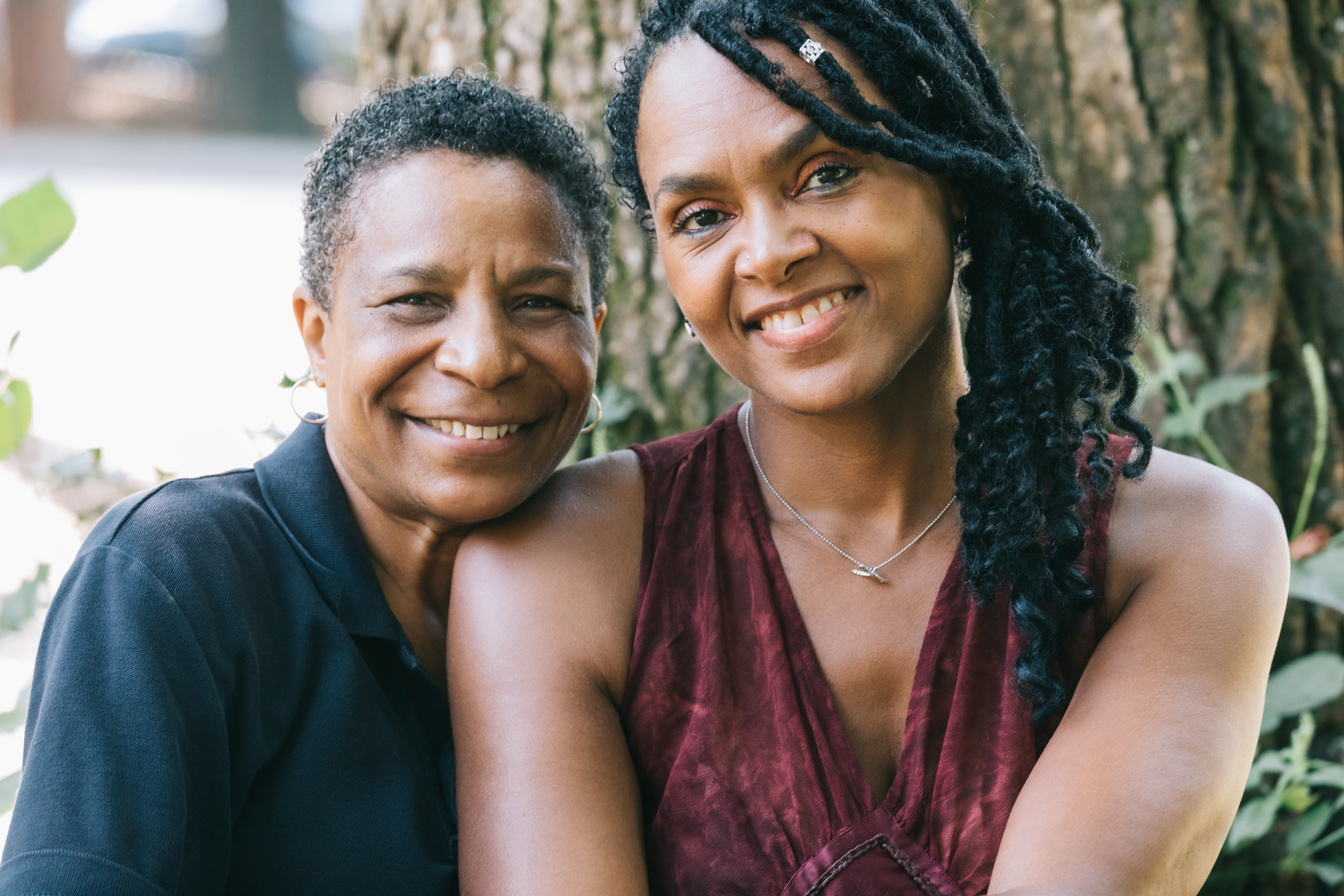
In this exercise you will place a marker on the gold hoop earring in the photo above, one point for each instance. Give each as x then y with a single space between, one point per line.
597 403
316 419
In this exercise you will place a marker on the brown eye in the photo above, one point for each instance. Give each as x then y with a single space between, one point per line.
828 176
697 220
540 303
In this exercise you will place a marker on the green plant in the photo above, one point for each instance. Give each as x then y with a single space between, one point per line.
1297 799
1187 414
33 224
1291 818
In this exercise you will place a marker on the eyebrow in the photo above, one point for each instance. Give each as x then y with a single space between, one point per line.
530 276
701 183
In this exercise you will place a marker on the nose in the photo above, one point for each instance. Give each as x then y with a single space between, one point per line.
775 240
479 345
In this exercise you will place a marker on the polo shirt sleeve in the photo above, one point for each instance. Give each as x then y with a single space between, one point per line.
125 786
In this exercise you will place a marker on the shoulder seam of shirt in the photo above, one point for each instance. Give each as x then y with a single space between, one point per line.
172 600
164 486
92 857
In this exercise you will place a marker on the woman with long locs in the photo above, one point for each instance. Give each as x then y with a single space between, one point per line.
928 614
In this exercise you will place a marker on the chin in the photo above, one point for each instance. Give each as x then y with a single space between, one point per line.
471 507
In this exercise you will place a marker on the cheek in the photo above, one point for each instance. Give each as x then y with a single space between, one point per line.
700 283
574 362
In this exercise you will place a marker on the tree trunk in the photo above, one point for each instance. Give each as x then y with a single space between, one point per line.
259 90
1201 136
38 71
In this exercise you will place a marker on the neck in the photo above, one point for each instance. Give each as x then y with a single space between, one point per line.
891 458
414 564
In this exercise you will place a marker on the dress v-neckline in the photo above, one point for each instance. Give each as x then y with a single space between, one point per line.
810 661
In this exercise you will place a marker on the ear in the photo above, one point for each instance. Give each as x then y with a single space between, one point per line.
956 203
599 315
313 327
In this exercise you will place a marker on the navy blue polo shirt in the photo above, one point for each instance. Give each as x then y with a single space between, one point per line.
224 703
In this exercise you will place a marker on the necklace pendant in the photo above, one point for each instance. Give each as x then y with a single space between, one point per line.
868 572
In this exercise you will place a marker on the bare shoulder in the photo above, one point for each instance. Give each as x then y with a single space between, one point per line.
587 498
1170 702
559 576
1187 520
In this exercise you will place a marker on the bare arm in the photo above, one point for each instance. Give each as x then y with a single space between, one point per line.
540 626
1135 792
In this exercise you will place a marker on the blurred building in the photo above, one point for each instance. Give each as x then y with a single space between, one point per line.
257 66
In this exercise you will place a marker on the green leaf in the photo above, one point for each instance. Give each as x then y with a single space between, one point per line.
1271 762
1303 684
1228 390
1173 365
16 403
286 382
34 224
16 412
1253 821
7 440
9 789
1329 873
1182 424
1296 797
1311 825
1328 775
13 339
1320 578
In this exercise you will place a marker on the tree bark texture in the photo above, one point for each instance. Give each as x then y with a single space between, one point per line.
1201 136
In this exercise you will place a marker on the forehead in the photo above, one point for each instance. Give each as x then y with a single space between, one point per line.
693 96
440 200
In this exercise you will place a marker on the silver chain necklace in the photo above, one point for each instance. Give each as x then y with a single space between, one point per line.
860 569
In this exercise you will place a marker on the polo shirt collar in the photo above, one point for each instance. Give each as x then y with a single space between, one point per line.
307 499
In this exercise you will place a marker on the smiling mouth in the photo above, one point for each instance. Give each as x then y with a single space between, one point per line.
471 431
799 317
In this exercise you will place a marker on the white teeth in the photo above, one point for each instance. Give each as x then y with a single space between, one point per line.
468 431
790 320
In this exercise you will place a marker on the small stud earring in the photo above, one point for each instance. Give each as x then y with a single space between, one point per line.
961 239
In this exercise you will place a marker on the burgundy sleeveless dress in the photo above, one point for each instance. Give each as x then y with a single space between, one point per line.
748 780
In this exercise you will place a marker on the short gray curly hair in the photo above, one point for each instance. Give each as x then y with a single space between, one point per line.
466 113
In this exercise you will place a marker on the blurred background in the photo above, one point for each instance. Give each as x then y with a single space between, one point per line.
1206 140
154 341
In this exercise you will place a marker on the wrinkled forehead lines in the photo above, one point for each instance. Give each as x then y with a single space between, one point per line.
537 190
540 191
